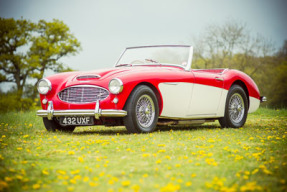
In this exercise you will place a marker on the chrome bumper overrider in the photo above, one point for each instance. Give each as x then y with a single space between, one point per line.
50 112
263 99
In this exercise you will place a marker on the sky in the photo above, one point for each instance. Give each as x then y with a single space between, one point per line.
106 27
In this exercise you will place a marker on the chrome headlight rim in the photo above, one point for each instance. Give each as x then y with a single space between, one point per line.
118 88
48 86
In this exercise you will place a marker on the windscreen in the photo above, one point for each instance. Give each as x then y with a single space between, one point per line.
172 55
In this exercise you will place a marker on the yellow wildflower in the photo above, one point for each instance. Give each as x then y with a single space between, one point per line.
136 188
8 179
145 155
75 172
45 172
81 159
61 172
71 152
36 186
170 188
126 183
251 186
92 184
86 179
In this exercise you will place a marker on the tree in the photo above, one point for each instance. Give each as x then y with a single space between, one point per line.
13 63
53 42
278 82
28 49
231 45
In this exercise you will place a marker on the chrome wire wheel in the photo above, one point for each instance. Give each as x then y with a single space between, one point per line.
142 108
145 111
236 108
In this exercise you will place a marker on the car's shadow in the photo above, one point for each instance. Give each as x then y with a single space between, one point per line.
123 131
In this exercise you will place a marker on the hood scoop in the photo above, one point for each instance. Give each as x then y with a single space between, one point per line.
87 76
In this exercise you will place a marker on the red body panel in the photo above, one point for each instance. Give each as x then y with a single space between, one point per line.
132 76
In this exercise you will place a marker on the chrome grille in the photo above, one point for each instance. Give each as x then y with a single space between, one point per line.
83 94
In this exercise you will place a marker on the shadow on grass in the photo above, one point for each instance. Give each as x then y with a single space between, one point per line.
122 130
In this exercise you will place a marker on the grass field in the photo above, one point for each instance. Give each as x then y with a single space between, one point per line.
199 158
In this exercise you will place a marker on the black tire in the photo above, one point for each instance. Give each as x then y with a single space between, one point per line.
236 108
53 125
142 109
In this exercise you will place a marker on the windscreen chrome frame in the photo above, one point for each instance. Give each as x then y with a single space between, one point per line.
187 67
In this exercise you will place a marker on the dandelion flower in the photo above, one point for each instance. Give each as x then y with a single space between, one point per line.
126 183
36 186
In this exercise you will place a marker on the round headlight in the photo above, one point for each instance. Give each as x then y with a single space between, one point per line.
116 86
44 86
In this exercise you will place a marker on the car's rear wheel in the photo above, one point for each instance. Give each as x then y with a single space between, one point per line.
142 109
53 125
236 108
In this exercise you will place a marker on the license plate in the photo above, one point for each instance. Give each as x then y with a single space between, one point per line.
84 120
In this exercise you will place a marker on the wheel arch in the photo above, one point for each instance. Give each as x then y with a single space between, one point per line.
244 87
156 92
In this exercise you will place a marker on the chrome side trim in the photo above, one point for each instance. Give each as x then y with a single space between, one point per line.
171 83
219 79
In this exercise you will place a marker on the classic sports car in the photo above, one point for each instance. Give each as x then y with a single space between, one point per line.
149 86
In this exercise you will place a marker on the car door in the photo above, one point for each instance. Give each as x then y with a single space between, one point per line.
206 94
176 98
176 94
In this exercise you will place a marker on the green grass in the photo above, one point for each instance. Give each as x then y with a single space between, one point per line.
198 158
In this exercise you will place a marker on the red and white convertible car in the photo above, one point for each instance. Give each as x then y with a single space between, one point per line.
149 86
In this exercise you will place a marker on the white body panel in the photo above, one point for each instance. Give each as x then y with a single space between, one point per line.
222 103
192 101
254 104
176 99
205 101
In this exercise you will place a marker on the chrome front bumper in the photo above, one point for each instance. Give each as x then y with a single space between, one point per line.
50 112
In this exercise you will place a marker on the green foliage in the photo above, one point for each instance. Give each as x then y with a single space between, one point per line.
28 49
198 158
14 35
277 79
10 102
232 46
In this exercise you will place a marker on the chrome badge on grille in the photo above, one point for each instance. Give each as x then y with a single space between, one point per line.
83 94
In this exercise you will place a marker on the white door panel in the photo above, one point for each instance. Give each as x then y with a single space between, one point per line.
205 100
176 98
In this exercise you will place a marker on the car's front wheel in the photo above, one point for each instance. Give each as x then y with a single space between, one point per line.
142 109
236 108
52 125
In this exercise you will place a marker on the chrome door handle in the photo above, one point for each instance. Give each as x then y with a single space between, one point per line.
219 79
171 83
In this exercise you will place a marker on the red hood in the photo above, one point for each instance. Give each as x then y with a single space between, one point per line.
103 76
